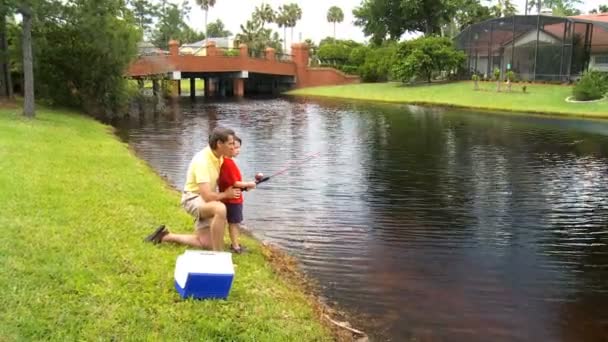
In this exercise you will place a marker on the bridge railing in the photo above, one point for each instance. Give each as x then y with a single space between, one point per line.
228 52
283 57
255 53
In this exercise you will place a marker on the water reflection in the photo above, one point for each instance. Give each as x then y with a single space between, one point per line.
438 224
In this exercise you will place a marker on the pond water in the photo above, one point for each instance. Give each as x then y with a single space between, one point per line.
425 223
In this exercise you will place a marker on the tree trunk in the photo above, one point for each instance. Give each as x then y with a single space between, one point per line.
498 86
4 53
334 30
28 65
292 35
206 36
285 38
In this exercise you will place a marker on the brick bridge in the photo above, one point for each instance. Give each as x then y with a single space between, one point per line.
235 72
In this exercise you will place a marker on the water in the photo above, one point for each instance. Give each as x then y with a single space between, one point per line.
426 224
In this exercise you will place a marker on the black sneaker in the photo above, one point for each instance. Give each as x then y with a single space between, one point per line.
157 235
238 250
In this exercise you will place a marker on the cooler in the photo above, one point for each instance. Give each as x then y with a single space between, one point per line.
204 274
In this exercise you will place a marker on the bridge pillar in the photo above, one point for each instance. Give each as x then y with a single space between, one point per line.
173 47
155 87
300 59
207 81
210 49
174 88
192 88
243 51
239 87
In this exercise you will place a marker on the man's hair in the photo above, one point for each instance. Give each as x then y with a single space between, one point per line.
239 140
219 134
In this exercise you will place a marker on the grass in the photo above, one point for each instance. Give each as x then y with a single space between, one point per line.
75 204
539 98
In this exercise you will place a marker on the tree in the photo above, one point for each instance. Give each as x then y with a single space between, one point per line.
282 20
257 37
601 9
425 56
82 53
390 19
216 30
205 5
264 14
335 15
172 25
294 13
468 12
558 7
145 12
25 10
504 8
6 84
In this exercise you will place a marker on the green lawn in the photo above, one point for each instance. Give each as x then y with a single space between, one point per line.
75 204
540 98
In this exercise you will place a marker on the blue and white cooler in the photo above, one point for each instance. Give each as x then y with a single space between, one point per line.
204 274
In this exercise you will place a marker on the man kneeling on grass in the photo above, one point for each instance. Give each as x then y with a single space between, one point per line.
200 197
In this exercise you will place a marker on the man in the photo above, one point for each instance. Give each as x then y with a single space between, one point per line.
200 197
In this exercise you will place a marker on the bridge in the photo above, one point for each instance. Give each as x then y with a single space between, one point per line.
236 72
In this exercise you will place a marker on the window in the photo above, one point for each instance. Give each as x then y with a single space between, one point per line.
601 59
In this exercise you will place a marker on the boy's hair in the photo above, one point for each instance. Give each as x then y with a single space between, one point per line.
220 134
236 138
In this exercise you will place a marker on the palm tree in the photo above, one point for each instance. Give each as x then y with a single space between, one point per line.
294 13
264 13
282 21
205 5
335 15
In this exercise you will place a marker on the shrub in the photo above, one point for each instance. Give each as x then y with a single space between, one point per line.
592 86
424 57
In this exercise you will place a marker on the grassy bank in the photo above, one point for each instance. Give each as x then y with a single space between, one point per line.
539 98
74 207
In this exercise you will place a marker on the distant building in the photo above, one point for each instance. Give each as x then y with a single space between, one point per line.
148 49
198 48
537 47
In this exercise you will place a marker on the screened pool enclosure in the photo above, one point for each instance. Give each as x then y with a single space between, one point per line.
540 47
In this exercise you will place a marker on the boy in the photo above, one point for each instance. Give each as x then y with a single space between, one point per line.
230 176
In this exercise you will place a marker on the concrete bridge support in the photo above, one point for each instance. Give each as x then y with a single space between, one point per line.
192 88
238 88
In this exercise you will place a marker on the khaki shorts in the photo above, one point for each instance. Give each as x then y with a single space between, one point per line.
192 202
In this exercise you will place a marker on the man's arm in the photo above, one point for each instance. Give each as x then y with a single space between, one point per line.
208 195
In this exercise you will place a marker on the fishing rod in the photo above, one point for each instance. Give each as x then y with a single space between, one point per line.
260 178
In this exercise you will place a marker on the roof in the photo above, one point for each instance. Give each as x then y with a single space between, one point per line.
601 17
500 37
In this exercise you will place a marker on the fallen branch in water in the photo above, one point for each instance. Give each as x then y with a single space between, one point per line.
342 325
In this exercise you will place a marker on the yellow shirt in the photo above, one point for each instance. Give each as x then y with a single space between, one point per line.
204 168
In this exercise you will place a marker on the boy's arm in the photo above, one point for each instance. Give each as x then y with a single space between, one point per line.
244 185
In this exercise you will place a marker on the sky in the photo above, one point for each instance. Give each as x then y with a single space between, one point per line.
313 24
